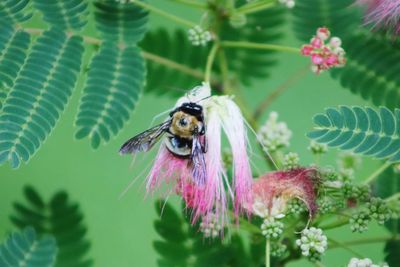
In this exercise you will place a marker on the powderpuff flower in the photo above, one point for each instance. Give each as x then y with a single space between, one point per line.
221 114
288 3
273 191
313 243
324 52
382 14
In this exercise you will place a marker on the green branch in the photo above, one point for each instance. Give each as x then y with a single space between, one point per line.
147 55
192 3
210 61
250 45
375 174
268 253
162 13
256 6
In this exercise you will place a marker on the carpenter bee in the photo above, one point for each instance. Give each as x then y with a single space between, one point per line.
185 137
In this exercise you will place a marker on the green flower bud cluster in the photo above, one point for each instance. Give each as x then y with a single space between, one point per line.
210 227
272 228
359 221
278 250
379 210
312 243
291 161
360 192
317 148
295 206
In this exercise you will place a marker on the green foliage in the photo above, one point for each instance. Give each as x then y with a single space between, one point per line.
114 84
392 249
26 249
120 22
388 184
64 14
340 16
175 47
37 80
60 218
39 95
13 50
261 27
184 245
371 70
13 11
363 130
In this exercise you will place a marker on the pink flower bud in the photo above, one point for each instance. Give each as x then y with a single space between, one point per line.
316 42
323 33
306 50
317 59
335 42
331 60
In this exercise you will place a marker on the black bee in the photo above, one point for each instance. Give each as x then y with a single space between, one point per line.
185 137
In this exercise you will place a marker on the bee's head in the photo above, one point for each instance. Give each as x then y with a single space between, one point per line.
190 108
185 125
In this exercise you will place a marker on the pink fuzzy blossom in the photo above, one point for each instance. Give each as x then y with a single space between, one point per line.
382 14
221 114
325 53
273 190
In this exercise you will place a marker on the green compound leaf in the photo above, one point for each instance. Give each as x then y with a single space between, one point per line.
363 130
261 27
64 14
392 249
59 217
120 22
13 11
115 81
371 70
183 244
340 16
177 48
25 249
13 51
39 95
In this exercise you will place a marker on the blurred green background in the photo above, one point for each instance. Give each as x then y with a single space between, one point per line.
121 230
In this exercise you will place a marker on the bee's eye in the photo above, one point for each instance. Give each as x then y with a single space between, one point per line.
183 122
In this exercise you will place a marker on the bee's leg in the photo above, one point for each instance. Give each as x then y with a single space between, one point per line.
204 145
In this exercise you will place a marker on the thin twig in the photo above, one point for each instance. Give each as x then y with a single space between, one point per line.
375 174
192 3
147 55
264 105
251 45
162 13
210 61
344 245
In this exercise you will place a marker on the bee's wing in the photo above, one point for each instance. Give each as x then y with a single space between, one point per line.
199 162
146 140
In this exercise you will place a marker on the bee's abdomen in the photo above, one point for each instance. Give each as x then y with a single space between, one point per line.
179 146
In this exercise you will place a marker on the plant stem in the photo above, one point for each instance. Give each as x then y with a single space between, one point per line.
172 64
336 224
393 197
210 61
163 13
375 174
362 241
267 253
255 7
250 45
149 56
192 3
264 105
337 244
